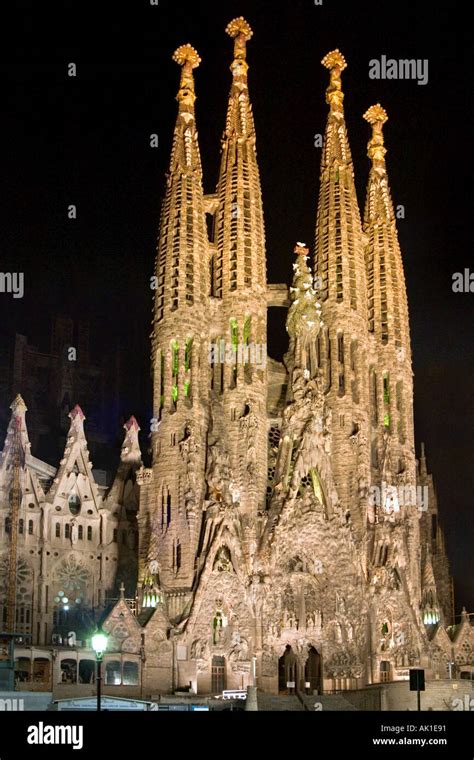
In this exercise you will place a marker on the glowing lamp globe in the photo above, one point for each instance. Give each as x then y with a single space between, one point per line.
99 643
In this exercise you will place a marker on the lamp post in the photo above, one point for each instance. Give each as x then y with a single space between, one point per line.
99 645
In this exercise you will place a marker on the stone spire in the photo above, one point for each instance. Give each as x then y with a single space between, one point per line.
430 606
341 281
77 418
130 453
18 406
181 267
304 315
172 493
339 247
239 282
130 461
388 307
17 420
239 219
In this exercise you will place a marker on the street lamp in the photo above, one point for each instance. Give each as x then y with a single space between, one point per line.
99 645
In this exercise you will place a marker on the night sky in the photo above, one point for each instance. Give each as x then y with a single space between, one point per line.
86 141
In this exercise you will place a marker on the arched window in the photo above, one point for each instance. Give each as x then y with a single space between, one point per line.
130 673
22 669
68 672
113 675
86 671
58 530
21 525
80 532
30 527
89 533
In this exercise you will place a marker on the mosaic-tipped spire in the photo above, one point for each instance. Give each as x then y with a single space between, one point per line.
183 239
186 57
239 29
388 307
339 249
239 218
376 116
336 63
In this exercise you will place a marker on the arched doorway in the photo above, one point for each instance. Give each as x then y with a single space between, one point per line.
287 671
312 671
218 675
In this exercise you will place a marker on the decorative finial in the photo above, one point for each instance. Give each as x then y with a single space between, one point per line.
77 412
122 590
186 57
131 423
77 418
18 406
301 249
187 54
240 31
336 63
376 116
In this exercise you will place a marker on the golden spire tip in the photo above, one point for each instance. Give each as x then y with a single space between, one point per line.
376 114
186 54
336 63
334 60
239 27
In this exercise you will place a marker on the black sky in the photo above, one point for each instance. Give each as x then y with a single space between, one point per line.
85 141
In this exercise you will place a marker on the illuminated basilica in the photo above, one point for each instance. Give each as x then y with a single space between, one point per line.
285 533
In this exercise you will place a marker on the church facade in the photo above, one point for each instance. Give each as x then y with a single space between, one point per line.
285 533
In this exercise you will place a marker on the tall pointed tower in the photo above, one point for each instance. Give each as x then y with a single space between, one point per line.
239 290
432 537
340 276
172 500
391 376
387 298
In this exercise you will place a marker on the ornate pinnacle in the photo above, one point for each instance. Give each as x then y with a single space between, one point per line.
376 116
187 54
239 29
186 57
131 423
18 406
301 249
336 63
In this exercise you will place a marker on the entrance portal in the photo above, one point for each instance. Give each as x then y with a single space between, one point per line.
287 671
312 671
